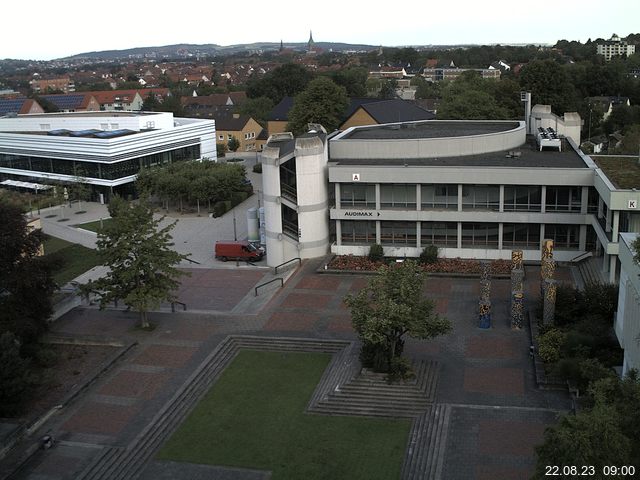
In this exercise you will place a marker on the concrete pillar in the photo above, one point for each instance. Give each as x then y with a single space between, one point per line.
541 234
608 221
459 234
337 194
543 201
378 199
613 260
418 234
418 197
582 242
600 207
615 226
584 203
605 262
501 204
459 198
500 232
338 232
378 233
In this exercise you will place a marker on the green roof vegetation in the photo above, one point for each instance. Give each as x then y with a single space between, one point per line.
624 172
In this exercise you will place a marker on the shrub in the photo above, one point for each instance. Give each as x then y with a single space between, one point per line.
238 197
257 168
549 345
429 255
219 208
376 253
400 370
600 299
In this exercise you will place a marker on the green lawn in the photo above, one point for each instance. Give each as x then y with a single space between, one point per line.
253 417
93 226
71 259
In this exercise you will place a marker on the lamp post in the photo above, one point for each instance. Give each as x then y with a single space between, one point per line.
590 110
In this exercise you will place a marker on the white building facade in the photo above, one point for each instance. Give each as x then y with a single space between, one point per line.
627 320
104 149
474 189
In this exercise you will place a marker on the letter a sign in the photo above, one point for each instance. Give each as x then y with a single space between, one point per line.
355 177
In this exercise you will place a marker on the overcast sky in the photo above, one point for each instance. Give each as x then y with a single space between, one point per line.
45 30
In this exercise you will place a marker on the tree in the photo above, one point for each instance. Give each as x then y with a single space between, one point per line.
26 284
549 84
17 380
233 144
589 438
258 109
388 308
142 266
388 88
150 103
606 434
470 97
354 79
285 81
322 102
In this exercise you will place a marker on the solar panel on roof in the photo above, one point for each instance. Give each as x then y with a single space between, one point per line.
114 133
8 106
84 133
65 102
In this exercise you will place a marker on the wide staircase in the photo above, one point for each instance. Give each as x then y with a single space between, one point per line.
342 390
370 394
590 270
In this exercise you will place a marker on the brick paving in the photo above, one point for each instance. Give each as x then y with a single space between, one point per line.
100 418
165 355
498 414
143 385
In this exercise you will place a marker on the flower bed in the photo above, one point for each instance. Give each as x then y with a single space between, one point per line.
443 265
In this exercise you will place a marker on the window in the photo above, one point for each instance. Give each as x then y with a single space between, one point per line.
479 235
519 198
481 197
356 232
398 233
440 197
357 195
441 234
563 236
229 136
221 137
522 235
564 199
400 196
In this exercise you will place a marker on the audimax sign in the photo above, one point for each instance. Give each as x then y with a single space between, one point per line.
360 213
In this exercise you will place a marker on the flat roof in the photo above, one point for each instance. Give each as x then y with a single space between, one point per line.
429 129
101 113
530 157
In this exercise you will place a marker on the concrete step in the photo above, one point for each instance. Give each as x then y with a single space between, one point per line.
370 411
425 458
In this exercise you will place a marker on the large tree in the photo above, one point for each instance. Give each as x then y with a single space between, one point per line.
549 84
391 306
285 81
26 284
142 265
322 102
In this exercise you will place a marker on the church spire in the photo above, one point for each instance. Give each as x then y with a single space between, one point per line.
310 43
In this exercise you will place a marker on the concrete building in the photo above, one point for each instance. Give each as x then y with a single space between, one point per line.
244 128
106 149
296 196
615 47
475 189
627 319
445 73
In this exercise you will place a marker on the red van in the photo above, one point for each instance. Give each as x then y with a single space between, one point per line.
238 251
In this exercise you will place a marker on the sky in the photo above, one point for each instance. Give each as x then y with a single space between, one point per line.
45 30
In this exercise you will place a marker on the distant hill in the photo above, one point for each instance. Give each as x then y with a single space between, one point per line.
191 50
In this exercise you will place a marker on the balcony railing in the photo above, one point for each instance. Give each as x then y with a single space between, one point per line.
289 192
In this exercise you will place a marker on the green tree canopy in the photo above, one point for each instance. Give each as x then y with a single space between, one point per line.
391 306
142 265
285 81
258 109
470 97
322 102
549 84
233 144
26 284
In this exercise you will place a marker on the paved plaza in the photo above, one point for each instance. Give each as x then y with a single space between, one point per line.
486 376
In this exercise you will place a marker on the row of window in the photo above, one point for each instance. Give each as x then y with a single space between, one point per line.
474 235
474 197
105 171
